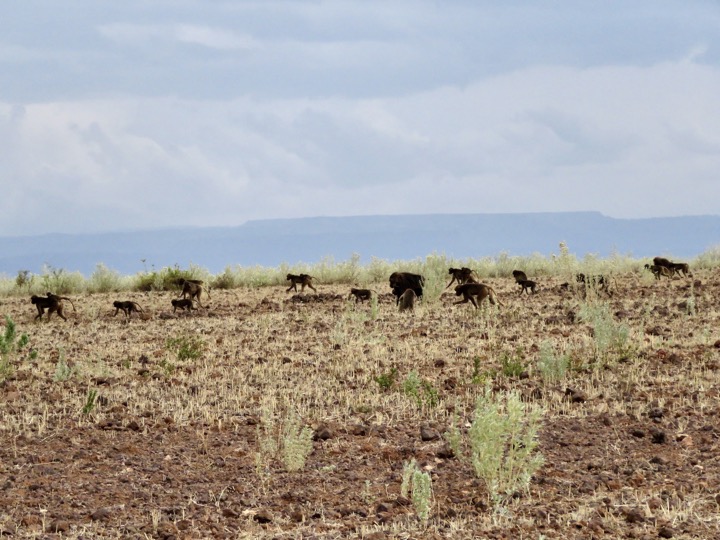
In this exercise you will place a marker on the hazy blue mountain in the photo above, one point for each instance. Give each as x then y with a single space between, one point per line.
274 241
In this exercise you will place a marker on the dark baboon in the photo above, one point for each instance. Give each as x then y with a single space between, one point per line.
519 276
659 271
303 279
475 293
680 268
402 281
192 288
599 282
406 301
661 261
527 285
182 303
51 302
461 275
127 307
360 294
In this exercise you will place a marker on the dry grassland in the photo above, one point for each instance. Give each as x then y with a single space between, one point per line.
110 430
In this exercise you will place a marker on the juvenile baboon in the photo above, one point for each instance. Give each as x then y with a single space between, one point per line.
182 303
519 276
192 288
51 302
402 281
127 307
461 275
527 285
360 294
659 271
303 279
406 301
475 293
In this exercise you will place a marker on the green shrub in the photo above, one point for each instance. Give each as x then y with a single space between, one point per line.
58 281
296 444
512 364
552 366
10 344
104 280
387 380
608 336
502 441
186 347
418 486
420 389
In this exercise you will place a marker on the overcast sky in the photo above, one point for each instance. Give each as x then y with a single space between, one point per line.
161 113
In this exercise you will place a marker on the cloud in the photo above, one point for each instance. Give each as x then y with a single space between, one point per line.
141 34
628 141
197 113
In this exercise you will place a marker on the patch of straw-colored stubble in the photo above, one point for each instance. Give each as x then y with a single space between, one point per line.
321 361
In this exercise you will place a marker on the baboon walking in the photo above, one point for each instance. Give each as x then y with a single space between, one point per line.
192 288
52 302
475 293
527 285
461 275
681 269
360 294
303 279
183 304
659 271
127 307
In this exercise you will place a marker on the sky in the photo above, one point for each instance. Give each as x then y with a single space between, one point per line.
171 113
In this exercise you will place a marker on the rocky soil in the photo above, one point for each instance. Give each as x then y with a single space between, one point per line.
162 426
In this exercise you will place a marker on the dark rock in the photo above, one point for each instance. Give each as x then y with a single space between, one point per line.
428 434
229 513
322 433
359 430
263 516
59 526
633 515
100 514
575 396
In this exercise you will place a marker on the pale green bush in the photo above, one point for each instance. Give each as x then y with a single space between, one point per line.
552 366
503 439
608 335
104 280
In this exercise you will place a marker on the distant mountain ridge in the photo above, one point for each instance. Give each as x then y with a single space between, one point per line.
275 241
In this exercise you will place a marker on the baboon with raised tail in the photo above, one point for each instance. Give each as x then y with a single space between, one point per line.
193 289
52 302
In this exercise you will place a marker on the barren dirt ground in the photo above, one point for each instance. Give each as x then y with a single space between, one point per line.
170 446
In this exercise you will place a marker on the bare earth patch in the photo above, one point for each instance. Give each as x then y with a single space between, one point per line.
108 431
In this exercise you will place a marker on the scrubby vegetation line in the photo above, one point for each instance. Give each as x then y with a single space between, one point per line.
329 272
